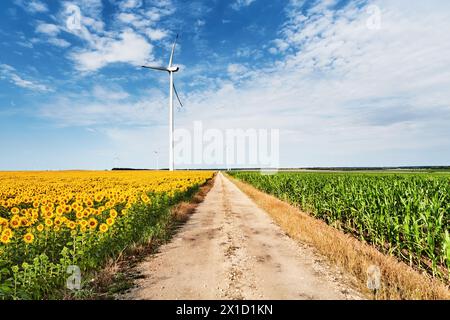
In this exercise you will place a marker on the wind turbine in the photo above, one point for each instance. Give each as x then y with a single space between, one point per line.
171 70
157 159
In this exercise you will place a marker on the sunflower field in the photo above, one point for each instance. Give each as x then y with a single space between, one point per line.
51 221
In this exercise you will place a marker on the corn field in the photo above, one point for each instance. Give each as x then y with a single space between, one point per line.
405 215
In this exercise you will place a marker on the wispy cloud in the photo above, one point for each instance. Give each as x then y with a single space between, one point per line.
130 4
32 6
105 106
48 29
239 4
9 73
50 32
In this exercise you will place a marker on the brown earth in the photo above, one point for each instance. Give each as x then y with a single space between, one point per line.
231 249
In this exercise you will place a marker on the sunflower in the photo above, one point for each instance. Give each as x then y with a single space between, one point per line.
48 222
103 227
113 213
71 225
145 198
79 215
15 210
7 232
5 239
24 221
92 223
40 227
15 222
3 222
58 221
110 221
28 238
48 214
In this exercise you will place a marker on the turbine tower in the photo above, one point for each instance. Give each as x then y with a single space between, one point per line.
171 70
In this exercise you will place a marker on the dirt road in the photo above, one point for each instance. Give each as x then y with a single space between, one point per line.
231 249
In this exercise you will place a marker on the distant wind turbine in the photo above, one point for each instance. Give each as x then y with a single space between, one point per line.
171 70
157 159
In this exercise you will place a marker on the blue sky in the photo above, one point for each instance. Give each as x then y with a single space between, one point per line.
347 83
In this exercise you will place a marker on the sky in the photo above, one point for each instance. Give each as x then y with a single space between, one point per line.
346 83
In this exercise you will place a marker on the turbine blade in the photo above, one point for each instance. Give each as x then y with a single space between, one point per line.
176 93
173 51
155 68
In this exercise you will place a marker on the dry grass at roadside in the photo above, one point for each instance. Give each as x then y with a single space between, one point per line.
399 281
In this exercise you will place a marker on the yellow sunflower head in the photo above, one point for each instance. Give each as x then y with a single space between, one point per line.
28 238
15 222
110 221
7 232
92 223
83 223
113 213
48 222
103 227
5 239
72 225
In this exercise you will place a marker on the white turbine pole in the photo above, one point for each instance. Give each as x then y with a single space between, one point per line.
157 159
171 162
171 69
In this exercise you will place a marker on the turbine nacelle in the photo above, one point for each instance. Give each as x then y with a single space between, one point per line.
173 69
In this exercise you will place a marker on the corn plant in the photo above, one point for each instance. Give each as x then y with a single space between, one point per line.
406 215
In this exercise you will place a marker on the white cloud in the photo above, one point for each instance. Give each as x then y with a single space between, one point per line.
124 43
9 73
156 34
239 4
51 31
237 71
129 48
200 23
59 42
32 6
137 21
48 29
91 8
37 6
130 4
